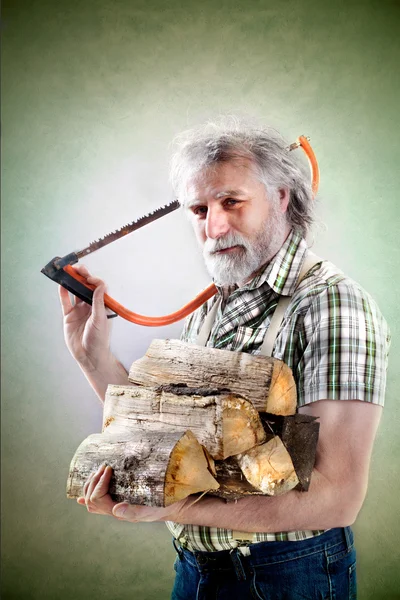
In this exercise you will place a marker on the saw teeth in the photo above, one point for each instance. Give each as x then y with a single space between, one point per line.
129 225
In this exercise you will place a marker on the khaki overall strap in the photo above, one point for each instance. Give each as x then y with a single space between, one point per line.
205 330
267 346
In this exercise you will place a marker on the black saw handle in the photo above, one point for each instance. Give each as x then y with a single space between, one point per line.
53 271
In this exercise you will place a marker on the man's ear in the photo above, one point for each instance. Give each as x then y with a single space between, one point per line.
284 197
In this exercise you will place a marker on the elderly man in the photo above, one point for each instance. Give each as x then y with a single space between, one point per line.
250 206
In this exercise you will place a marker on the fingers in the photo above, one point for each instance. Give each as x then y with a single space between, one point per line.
92 482
64 295
96 497
81 269
101 488
91 279
85 487
65 300
99 310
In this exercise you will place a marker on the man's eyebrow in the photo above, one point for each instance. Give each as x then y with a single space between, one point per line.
223 194
191 203
229 193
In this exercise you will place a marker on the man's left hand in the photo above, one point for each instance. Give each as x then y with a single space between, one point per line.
97 500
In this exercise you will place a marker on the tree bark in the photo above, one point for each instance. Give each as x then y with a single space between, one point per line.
224 423
300 436
299 433
189 405
266 382
232 483
156 469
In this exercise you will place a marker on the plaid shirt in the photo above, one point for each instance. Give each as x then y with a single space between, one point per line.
333 337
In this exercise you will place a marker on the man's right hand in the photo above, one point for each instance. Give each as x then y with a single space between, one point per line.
86 328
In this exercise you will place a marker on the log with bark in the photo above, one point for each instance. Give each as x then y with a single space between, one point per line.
189 405
298 434
266 469
223 422
152 468
267 382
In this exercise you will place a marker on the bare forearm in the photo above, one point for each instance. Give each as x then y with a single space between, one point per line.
322 507
110 371
338 484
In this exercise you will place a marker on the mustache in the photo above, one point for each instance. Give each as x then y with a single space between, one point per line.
232 239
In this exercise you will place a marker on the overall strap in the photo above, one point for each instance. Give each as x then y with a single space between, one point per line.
310 261
208 323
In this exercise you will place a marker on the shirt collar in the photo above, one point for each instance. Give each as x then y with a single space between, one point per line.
282 272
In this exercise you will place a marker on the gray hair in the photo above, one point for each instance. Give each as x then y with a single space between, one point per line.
232 139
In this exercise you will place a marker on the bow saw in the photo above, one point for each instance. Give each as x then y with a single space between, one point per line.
59 269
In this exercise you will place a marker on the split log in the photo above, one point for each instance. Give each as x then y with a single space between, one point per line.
299 433
300 436
240 407
156 469
232 483
269 468
267 382
224 423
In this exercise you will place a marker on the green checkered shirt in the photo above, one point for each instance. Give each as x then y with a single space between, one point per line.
333 337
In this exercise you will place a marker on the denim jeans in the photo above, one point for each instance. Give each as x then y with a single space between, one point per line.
323 568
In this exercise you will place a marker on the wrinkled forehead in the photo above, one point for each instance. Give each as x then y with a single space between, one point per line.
234 178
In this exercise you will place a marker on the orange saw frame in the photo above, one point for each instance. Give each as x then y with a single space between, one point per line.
207 293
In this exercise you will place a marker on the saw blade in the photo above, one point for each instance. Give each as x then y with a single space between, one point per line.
119 233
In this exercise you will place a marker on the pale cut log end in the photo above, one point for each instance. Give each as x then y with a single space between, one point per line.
242 426
269 468
188 470
210 463
282 398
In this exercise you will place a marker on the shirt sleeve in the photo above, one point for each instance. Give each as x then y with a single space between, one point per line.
343 347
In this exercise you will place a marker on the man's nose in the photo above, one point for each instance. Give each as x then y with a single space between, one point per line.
217 223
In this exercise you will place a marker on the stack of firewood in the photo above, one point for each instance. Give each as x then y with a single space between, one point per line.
196 420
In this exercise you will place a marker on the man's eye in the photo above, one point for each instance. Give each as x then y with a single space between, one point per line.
200 211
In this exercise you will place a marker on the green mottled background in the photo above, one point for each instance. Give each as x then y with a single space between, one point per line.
93 92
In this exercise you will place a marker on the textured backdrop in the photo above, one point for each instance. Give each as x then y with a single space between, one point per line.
93 92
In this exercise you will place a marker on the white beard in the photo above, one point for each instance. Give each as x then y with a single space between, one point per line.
253 252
